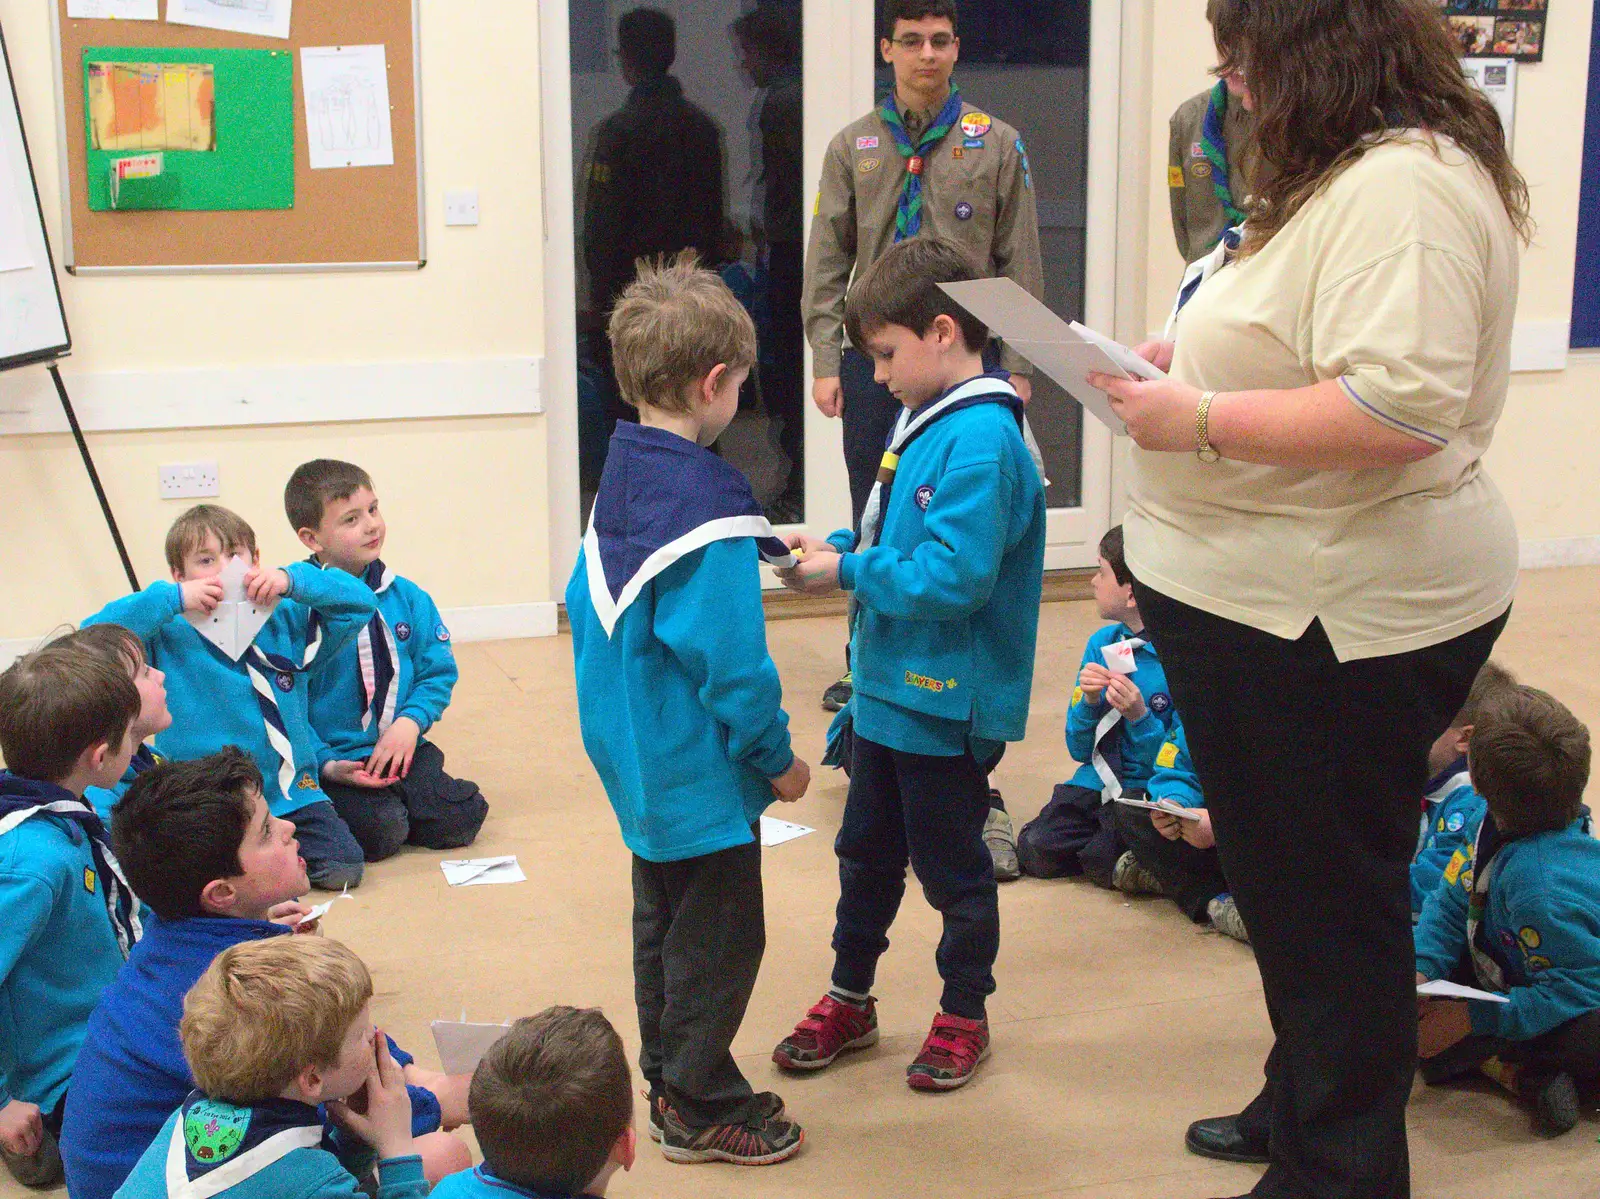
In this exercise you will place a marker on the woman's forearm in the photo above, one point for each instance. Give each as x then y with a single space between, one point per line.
1313 428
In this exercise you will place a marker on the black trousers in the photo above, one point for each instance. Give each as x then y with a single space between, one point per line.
1075 833
1311 770
699 930
928 812
870 411
1192 877
783 386
426 808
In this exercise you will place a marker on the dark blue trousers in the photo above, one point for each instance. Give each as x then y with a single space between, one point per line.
929 813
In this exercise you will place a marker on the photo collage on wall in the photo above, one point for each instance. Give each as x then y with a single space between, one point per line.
1497 28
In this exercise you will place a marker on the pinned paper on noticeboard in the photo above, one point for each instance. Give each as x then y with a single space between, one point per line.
139 169
152 106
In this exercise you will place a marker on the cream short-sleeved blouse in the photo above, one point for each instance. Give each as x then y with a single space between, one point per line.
1400 281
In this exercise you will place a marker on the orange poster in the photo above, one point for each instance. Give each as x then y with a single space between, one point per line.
152 106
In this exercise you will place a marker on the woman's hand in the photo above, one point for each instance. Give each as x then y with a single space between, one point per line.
1157 353
1159 413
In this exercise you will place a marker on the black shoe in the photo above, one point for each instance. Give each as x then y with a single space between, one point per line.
1219 1138
838 695
1458 1061
1555 1100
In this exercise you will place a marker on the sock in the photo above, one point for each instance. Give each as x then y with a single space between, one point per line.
1504 1073
849 998
996 804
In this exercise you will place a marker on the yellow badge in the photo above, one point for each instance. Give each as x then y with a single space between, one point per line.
307 782
923 681
976 124
1175 177
1531 938
1458 861
958 152
1077 695
88 880
1202 170
1167 756
867 165
816 209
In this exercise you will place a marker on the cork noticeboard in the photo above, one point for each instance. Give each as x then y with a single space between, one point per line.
361 218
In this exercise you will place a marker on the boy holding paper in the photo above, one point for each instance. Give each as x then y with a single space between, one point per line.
1121 714
254 696
1518 914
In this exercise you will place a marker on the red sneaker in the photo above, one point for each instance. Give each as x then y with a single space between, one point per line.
829 1029
950 1054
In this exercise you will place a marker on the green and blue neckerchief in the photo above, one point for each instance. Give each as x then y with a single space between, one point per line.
1215 149
908 218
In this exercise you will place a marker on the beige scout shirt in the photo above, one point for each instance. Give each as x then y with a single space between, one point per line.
1400 280
1198 218
978 196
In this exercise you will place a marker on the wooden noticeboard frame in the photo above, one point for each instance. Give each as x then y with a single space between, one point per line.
362 218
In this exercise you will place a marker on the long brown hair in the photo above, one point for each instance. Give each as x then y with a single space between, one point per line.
1331 79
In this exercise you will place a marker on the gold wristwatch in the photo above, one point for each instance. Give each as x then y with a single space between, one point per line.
1203 449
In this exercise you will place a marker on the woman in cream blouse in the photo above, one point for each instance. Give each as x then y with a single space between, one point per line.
1321 559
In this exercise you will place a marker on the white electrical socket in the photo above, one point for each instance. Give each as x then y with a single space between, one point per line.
189 480
461 208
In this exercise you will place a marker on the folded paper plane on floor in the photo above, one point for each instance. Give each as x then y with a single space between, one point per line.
462 1044
234 623
482 872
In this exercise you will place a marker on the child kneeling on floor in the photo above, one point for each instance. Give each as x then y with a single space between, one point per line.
945 580
1518 914
273 1031
552 1108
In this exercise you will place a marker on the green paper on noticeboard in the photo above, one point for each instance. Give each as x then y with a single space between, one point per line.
250 162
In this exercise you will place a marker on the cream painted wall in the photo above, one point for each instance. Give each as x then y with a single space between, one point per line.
466 498
1542 456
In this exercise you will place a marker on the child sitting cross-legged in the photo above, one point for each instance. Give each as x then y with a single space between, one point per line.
120 647
67 914
1518 913
201 847
552 1108
275 1031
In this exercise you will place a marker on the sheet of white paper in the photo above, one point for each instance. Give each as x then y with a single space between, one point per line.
1119 657
234 623
322 909
1171 809
264 18
347 106
1443 989
462 1045
481 872
776 832
127 10
15 251
1497 79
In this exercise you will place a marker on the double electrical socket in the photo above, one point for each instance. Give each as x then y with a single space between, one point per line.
190 480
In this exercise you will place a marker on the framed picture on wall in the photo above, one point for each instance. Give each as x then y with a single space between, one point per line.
1497 28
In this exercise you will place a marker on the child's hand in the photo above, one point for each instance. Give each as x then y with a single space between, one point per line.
288 914
808 545
21 1128
391 757
266 586
352 774
201 595
816 574
1199 832
385 1122
1092 680
1440 1024
1122 693
1168 825
792 783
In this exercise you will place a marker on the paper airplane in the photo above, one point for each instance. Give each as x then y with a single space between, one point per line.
1444 989
1162 805
479 872
776 832
462 1044
322 909
1119 655
234 623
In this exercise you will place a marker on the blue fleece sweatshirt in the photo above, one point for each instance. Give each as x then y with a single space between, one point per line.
425 675
943 643
212 700
103 799
131 1072
480 1183
1174 777
1140 739
58 951
1451 820
1541 927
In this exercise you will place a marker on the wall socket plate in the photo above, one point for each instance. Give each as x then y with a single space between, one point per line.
190 480
461 207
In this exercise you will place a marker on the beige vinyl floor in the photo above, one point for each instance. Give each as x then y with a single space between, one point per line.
1115 1023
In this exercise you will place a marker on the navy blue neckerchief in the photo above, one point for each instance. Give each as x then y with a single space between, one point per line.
662 497
376 651
1459 766
215 1133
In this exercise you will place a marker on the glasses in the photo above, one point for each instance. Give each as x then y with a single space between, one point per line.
913 42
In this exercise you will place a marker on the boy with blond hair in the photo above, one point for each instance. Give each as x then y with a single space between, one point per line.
680 704
258 702
552 1108
69 917
273 1030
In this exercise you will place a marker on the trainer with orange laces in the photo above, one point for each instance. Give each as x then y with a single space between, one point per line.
945 579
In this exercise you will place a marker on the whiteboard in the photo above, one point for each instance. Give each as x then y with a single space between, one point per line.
33 323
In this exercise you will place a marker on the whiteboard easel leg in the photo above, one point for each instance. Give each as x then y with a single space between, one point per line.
94 476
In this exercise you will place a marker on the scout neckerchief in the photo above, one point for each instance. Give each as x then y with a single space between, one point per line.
1215 148
216 1146
1197 272
1106 756
21 799
908 217
661 498
1488 845
272 675
380 657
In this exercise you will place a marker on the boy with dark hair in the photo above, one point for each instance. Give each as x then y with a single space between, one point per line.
552 1108
217 868
379 695
1117 722
67 915
274 1031
945 580
681 708
1519 914
119 645
258 701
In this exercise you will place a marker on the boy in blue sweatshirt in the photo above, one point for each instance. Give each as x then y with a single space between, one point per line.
121 647
680 705
945 581
1116 724
277 1032
259 702
552 1108
67 915
217 869
1452 811
383 691
1518 914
